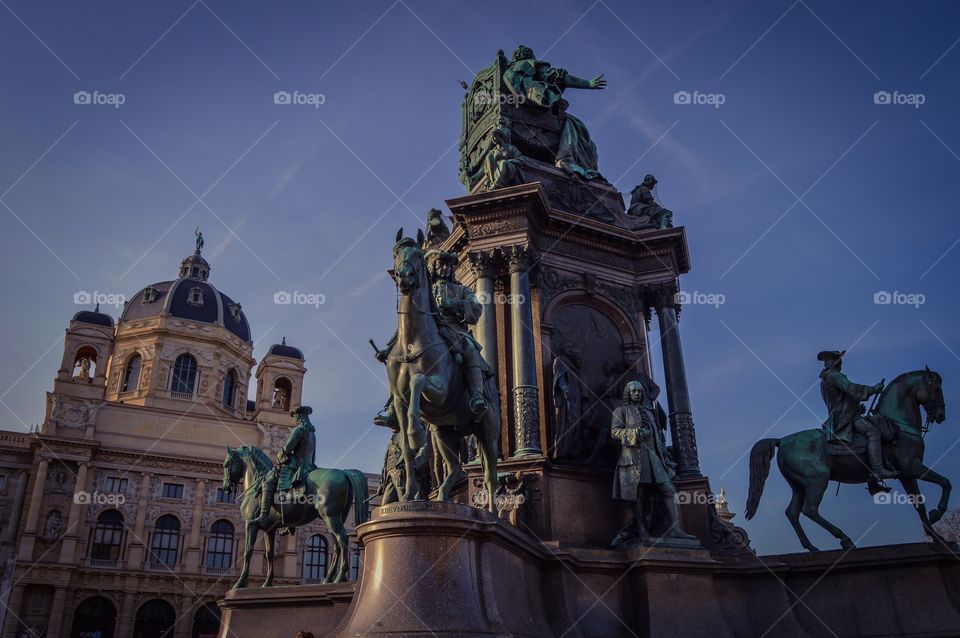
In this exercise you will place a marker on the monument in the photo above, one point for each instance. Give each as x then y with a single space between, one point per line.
535 485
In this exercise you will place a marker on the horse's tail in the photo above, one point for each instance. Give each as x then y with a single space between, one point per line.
760 456
360 490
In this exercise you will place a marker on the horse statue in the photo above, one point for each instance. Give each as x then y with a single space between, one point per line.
808 465
328 494
427 383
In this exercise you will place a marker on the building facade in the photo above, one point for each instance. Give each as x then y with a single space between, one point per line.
113 518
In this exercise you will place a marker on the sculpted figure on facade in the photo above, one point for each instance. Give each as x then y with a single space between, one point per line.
644 474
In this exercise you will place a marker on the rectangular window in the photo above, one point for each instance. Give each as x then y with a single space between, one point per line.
172 490
115 485
225 496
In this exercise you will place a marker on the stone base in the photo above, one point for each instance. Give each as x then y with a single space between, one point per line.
445 569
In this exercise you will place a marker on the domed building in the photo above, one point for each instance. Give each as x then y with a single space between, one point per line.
115 508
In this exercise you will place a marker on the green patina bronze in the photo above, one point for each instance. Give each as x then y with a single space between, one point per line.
839 451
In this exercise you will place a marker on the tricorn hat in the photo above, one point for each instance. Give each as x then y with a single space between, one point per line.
830 355
305 410
649 179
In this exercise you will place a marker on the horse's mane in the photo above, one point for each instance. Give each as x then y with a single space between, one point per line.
898 379
259 457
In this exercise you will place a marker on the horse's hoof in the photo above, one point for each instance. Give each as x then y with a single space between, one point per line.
811 548
847 544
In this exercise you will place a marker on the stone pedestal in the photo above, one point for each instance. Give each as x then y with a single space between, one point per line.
258 612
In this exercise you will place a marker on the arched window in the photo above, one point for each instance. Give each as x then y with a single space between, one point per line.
131 374
206 622
85 364
282 391
155 619
315 559
220 545
166 541
107 537
95 616
184 376
230 384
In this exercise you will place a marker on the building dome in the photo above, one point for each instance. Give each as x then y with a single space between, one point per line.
190 297
94 317
283 350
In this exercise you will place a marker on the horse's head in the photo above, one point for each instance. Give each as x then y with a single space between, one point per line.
408 264
232 470
930 396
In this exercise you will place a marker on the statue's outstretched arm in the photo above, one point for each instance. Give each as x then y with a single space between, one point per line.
570 81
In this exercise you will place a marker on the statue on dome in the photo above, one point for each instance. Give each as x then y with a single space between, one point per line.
199 239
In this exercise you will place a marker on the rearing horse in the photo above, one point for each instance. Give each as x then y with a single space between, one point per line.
808 468
426 382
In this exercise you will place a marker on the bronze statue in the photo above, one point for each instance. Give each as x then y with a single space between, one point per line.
437 230
199 239
844 412
328 494
436 371
537 82
643 474
503 163
567 404
295 460
809 461
392 477
644 208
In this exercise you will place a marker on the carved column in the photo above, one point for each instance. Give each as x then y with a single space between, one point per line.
486 327
56 612
194 550
13 609
69 545
137 553
525 401
125 619
678 396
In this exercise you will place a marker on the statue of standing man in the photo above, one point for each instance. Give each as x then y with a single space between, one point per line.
643 475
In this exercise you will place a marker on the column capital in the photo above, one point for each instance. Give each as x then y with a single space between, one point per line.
482 262
518 257
661 295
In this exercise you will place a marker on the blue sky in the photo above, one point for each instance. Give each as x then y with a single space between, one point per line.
802 197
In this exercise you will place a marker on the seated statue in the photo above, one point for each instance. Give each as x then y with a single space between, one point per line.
645 210
537 82
503 162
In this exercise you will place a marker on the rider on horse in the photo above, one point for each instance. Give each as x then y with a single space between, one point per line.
295 460
457 308
845 417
